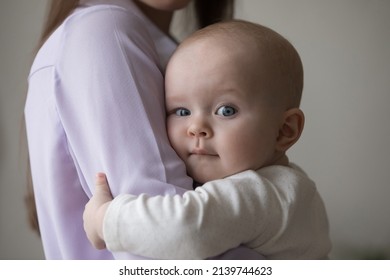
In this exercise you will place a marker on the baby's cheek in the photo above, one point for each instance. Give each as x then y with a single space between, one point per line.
247 154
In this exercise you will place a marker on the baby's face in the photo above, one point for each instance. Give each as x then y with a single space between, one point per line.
218 122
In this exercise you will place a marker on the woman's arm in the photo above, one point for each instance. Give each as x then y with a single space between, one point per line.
112 102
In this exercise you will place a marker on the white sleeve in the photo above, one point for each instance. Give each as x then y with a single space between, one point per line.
203 223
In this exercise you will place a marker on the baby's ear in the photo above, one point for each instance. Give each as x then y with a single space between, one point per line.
290 129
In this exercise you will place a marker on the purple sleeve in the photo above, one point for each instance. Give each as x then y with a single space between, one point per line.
112 106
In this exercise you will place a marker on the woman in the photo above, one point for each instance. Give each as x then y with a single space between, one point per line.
99 72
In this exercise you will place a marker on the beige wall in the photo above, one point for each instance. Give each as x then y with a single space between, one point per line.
20 24
345 47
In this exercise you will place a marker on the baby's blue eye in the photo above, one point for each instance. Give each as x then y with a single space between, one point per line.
182 112
226 111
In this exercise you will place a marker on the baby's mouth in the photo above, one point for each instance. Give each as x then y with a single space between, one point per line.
202 152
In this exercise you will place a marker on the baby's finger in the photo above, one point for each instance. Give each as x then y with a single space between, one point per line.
100 245
101 184
100 179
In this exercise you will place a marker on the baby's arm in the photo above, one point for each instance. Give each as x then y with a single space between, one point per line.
204 223
277 212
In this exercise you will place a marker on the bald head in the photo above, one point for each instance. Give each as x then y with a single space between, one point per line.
275 64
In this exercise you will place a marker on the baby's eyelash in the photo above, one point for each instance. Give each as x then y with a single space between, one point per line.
226 111
181 112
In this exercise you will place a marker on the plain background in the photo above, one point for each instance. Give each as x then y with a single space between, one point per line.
345 48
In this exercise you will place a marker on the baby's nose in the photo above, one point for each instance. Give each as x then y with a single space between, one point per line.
200 129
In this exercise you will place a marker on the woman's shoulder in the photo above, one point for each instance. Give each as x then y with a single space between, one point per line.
103 17
104 30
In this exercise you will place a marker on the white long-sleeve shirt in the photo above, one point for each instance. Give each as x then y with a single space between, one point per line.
275 210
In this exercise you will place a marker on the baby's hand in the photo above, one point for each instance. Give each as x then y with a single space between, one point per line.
95 210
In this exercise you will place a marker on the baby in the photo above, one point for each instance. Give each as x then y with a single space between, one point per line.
233 92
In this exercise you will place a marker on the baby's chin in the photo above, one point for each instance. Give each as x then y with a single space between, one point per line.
204 178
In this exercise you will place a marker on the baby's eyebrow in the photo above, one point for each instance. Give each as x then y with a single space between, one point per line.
224 88
172 102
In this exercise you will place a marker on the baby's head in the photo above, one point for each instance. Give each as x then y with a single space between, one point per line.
233 92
